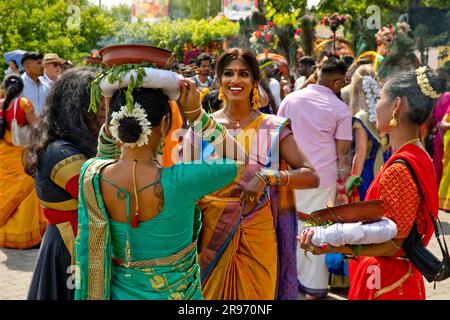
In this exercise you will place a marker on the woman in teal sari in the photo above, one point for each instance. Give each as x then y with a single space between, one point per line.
138 222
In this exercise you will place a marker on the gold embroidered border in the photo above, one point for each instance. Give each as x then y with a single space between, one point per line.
67 168
162 261
66 231
67 205
97 233
395 284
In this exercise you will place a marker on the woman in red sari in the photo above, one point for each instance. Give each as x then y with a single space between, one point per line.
380 271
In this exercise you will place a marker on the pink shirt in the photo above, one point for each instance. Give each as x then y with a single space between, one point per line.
318 118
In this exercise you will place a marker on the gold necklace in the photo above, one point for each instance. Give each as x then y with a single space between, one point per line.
237 122
138 159
408 142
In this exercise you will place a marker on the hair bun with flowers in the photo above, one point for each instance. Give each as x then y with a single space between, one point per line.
138 115
424 83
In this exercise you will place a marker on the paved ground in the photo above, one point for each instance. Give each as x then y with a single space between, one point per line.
16 268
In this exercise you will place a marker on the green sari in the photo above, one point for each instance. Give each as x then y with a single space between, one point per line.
164 269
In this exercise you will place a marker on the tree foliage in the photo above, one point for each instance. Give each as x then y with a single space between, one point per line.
49 26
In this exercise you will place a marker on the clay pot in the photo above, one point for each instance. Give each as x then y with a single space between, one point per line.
136 54
93 60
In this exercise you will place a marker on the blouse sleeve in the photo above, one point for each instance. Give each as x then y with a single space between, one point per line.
26 105
401 198
66 173
198 180
285 131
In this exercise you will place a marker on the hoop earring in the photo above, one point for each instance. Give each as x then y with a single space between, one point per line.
394 121
255 98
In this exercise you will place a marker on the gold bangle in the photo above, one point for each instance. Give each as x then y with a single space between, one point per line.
261 178
192 111
288 178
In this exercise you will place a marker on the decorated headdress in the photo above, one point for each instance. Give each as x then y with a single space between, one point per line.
424 83
130 67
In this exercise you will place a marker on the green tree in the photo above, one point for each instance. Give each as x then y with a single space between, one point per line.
49 26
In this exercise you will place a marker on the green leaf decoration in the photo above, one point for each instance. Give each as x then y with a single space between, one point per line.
116 73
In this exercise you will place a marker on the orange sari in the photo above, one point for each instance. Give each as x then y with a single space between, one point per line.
22 223
240 254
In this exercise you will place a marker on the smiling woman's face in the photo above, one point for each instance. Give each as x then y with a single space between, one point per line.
237 81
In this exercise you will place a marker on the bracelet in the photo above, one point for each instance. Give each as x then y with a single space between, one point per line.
288 177
192 111
104 136
260 177
271 176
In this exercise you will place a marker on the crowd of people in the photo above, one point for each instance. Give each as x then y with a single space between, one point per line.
123 208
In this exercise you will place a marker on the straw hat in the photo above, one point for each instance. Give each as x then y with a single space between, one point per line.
53 58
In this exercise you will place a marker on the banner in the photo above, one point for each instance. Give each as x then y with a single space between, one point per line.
239 9
150 10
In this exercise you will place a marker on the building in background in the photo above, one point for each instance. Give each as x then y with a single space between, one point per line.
239 9
149 10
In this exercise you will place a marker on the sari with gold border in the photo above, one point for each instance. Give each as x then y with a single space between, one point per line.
171 277
251 254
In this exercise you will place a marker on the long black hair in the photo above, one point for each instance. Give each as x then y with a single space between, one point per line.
13 85
404 84
155 104
64 117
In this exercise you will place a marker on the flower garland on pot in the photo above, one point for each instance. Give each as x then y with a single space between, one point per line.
264 38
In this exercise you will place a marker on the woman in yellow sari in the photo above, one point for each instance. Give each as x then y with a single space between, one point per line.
444 187
22 223
247 246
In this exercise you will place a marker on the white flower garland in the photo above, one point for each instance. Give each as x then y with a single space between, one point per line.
139 114
372 93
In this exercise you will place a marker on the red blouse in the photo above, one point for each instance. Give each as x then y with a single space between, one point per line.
23 108
401 199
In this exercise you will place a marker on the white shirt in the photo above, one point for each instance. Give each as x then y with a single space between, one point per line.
45 79
35 92
275 87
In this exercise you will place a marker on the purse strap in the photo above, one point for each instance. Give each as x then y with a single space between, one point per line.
422 197
16 102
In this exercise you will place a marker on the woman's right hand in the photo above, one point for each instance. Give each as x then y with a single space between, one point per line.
189 98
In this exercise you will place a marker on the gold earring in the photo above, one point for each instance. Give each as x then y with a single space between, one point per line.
394 121
255 98
222 96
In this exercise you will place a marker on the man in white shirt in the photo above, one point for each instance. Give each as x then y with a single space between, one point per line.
34 89
267 67
52 68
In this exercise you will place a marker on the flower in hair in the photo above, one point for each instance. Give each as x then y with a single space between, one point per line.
372 93
139 114
424 83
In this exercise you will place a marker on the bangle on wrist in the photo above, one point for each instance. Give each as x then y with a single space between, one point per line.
271 176
288 177
192 111
260 177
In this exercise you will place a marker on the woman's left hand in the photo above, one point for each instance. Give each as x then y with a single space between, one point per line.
253 191
306 244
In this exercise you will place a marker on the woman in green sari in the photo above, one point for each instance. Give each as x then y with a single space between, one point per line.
138 222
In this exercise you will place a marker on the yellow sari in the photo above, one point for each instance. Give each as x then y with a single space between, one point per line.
22 223
239 251
444 187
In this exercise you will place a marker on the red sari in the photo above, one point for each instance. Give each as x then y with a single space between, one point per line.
395 278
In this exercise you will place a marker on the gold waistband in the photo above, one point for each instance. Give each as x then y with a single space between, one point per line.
157 261
395 284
